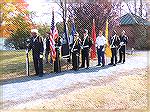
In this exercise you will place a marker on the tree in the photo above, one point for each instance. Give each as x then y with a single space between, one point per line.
20 35
140 7
43 29
100 10
10 10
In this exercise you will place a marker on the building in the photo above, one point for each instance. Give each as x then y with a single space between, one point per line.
137 29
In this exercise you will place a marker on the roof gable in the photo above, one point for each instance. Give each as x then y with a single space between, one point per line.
130 19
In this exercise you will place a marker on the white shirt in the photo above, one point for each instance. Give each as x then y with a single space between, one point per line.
100 41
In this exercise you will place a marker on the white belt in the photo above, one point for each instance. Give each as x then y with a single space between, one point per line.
100 46
123 44
85 46
113 47
75 49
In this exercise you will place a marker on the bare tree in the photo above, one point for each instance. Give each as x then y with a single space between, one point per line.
99 10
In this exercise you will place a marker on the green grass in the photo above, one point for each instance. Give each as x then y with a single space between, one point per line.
13 64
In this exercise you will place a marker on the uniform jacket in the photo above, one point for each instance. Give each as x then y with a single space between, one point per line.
114 42
76 46
123 40
47 44
36 44
87 42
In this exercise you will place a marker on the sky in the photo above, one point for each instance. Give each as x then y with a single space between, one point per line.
43 9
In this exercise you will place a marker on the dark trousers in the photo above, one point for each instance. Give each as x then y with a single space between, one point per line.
57 67
85 56
122 53
46 55
101 57
75 60
38 65
114 55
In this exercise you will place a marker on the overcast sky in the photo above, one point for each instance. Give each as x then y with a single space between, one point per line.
43 9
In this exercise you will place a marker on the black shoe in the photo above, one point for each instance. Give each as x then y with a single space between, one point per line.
76 69
119 61
98 65
123 62
81 67
41 75
35 75
72 68
102 65
114 64
87 68
110 64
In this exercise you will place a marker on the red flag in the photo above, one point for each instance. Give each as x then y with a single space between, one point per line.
93 49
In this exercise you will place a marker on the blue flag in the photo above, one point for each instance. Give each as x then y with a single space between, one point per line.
65 45
72 33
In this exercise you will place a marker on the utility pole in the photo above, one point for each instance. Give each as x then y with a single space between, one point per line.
64 20
141 8
135 11
120 8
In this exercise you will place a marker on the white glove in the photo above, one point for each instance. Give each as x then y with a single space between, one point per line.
121 43
27 51
103 49
41 55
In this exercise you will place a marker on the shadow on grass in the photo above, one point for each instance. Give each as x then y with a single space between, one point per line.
51 75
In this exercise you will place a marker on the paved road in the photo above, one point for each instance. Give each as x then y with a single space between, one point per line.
19 91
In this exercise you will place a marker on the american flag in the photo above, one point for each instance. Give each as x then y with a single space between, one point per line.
53 36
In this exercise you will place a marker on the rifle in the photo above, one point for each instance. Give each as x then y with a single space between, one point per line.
27 62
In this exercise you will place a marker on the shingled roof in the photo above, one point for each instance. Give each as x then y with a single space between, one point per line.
130 19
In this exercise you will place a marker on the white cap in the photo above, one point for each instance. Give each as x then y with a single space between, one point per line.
34 30
86 31
76 34
123 31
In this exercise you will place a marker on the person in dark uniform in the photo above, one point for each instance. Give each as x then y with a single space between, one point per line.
114 43
57 67
36 44
85 49
75 50
122 49
47 48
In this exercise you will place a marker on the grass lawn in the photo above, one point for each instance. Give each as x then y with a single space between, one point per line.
13 64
